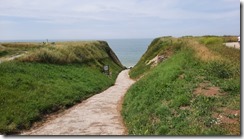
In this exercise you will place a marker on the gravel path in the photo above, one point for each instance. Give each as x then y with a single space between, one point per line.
98 115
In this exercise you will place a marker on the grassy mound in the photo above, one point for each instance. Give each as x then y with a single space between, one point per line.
52 78
194 91
73 52
11 49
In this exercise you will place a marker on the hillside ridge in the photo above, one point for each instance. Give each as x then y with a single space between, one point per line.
186 86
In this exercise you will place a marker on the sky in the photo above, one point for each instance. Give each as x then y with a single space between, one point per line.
111 19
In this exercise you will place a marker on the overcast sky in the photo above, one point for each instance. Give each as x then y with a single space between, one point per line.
106 19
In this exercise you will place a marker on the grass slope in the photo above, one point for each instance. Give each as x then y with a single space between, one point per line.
166 100
11 49
51 79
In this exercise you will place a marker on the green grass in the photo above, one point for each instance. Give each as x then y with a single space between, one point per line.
30 89
155 104
159 46
3 53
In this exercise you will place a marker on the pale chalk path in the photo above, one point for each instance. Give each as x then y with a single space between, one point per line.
233 44
98 115
10 58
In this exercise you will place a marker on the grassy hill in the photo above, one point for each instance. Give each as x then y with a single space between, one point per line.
12 49
50 78
188 86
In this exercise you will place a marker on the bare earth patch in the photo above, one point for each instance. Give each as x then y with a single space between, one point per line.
228 119
156 60
185 108
98 115
225 117
206 90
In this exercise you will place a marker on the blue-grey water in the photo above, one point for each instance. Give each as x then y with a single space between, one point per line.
129 51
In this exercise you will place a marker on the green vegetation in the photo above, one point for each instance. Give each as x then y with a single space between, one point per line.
3 53
228 38
73 52
10 49
153 50
50 79
195 91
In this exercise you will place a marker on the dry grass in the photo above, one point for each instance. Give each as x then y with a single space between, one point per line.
22 45
203 52
230 38
68 52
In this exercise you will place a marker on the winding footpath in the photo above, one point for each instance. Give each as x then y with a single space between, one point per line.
98 115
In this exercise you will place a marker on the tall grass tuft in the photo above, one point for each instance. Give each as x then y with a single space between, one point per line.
73 52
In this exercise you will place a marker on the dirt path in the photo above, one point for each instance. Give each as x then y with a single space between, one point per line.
10 58
233 44
98 115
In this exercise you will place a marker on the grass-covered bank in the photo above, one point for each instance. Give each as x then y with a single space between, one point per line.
52 78
12 49
194 91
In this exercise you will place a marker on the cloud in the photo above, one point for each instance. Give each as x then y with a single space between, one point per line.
116 16
78 10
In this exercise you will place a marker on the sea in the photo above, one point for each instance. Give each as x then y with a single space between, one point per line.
129 51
